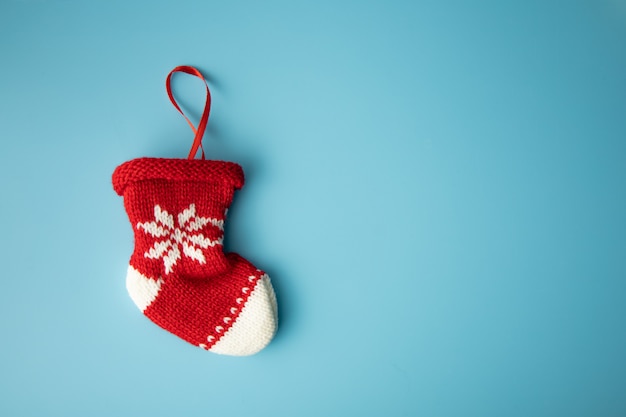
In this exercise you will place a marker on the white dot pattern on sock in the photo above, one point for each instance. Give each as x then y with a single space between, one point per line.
255 326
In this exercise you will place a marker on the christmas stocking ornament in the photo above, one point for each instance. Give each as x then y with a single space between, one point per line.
178 274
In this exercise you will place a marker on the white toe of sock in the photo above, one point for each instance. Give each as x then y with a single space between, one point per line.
256 325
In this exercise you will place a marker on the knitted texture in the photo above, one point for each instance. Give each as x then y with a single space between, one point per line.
177 208
178 274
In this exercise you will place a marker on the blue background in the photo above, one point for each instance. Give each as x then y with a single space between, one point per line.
436 189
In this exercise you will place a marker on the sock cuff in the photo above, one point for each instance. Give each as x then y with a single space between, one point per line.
142 169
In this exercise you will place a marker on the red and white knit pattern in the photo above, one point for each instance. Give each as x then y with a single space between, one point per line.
178 275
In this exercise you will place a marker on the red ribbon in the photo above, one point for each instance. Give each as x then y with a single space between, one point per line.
197 140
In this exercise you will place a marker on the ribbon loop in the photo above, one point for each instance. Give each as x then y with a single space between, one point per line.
199 131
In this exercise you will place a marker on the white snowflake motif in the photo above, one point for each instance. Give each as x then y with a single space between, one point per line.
187 235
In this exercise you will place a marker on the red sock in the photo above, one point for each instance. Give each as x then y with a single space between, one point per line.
179 276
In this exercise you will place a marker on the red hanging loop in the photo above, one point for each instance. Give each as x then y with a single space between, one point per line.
199 132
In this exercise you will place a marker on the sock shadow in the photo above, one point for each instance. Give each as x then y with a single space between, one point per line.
237 239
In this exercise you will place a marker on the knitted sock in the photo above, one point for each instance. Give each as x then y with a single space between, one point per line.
178 275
